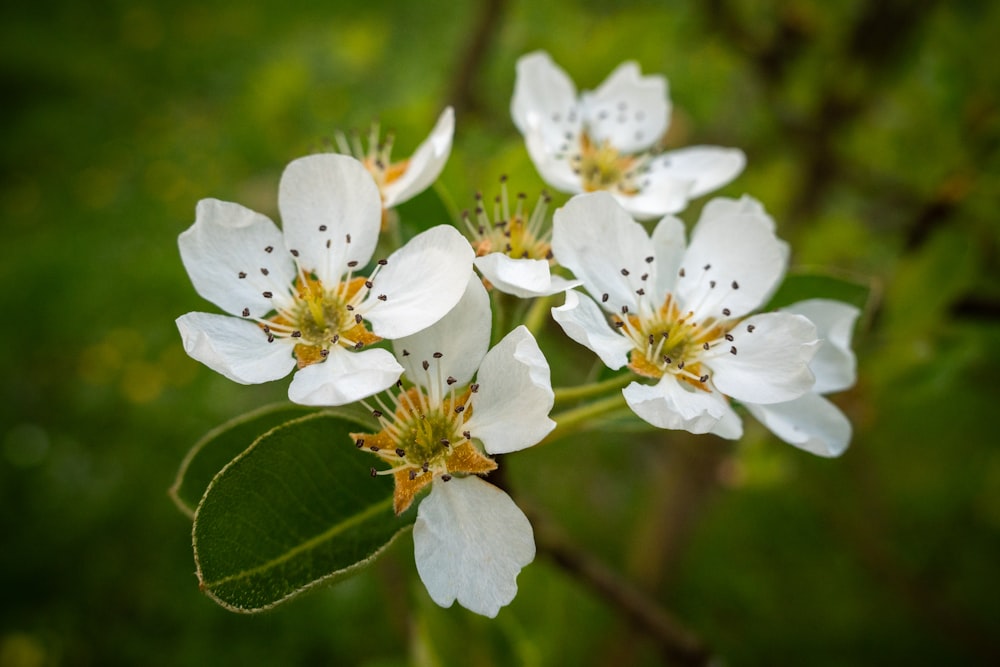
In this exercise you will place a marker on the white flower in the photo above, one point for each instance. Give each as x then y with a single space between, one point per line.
811 422
513 250
401 181
296 292
681 316
608 139
470 539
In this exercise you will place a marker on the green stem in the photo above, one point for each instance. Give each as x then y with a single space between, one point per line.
536 316
574 419
567 394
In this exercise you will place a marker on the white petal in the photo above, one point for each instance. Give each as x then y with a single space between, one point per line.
582 320
552 161
745 205
425 164
345 377
771 365
662 193
545 101
422 281
628 110
324 200
524 278
461 337
510 410
228 240
678 405
745 261
235 348
470 542
669 245
834 364
596 239
707 168
809 422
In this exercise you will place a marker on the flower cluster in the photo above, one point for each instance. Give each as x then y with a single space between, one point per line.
408 335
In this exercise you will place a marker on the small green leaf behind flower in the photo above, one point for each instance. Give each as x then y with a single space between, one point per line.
295 509
800 286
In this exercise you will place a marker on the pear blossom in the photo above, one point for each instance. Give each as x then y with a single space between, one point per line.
296 293
680 317
513 249
401 181
466 403
610 139
811 422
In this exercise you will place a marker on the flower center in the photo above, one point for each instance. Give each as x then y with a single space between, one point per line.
513 233
320 318
667 340
423 437
602 167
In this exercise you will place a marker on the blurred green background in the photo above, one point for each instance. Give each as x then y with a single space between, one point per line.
872 134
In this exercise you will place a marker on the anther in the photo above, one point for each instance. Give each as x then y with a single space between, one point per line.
359 443
376 413
467 435
640 291
604 297
619 324
445 442
413 475
624 310
264 271
680 366
335 339
451 380
649 260
732 350
446 477
624 272
374 473
708 266
349 307
322 228
750 328
351 264
667 360
406 352
460 409
425 466
729 337
373 448
324 353
736 285
368 284
400 452
681 272
705 346
328 243
268 295
358 318
358 345
295 253
644 276
382 262
348 238
243 274
437 355
726 312
381 297
652 339
711 283
703 379
270 338
296 334
246 312
426 364
474 387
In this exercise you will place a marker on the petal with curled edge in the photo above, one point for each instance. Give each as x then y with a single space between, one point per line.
235 348
583 321
425 165
510 410
834 365
470 542
345 377
524 278
681 406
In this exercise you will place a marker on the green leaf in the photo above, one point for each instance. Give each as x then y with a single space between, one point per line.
802 286
296 509
220 446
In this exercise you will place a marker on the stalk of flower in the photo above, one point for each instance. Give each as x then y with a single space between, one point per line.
465 403
401 181
296 292
608 139
680 317
513 248
811 422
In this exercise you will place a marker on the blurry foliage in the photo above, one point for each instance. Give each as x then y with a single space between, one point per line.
872 131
